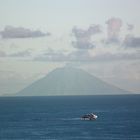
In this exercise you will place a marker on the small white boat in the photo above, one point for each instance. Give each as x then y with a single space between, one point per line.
90 116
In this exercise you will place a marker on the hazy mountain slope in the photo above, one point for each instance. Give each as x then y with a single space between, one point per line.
69 81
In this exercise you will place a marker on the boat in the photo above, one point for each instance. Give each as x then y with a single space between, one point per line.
90 116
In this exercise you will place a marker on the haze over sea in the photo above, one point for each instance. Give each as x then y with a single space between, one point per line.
58 118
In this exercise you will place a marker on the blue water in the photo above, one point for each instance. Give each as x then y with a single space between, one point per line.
58 118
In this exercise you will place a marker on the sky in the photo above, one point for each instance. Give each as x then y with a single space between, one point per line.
101 37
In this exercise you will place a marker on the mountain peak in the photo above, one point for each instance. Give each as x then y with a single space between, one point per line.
69 81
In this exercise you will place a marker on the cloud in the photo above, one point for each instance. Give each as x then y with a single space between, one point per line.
117 56
131 41
51 55
11 32
113 28
87 56
81 44
83 37
25 53
130 27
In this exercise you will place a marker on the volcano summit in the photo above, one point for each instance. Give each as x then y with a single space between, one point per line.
69 81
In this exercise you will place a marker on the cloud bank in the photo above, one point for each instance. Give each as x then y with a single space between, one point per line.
84 44
87 56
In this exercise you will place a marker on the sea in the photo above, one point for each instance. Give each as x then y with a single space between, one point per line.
59 117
